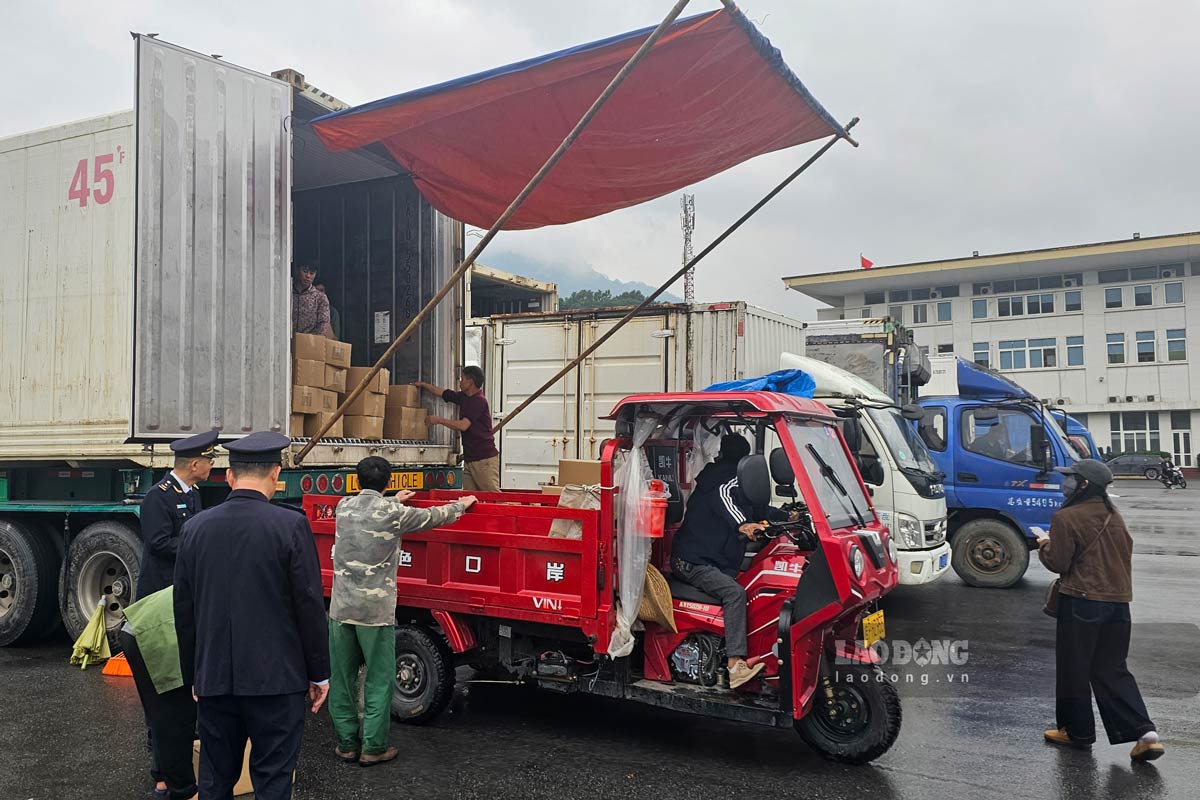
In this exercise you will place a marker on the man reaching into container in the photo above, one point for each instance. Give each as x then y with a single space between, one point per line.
362 607
310 306
481 470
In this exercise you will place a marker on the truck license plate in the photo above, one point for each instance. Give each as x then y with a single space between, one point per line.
872 628
399 480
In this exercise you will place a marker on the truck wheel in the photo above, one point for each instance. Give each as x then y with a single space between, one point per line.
29 565
103 564
989 553
859 722
424 675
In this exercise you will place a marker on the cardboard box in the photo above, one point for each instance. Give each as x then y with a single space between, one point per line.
582 473
360 427
406 396
335 379
296 426
378 384
309 346
368 405
337 353
311 400
405 423
306 372
314 422
552 490
243 786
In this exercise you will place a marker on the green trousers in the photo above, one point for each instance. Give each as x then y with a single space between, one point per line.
350 647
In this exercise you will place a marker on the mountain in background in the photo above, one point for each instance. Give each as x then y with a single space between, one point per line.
570 278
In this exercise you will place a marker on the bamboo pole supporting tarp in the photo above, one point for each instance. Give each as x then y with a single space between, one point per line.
458 273
842 134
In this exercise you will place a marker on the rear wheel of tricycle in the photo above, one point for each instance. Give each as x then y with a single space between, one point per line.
989 553
424 675
854 719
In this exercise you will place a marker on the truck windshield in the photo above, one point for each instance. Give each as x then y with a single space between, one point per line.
831 473
904 442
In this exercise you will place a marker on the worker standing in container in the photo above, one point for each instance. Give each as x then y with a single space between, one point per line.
362 607
481 467
310 306
250 619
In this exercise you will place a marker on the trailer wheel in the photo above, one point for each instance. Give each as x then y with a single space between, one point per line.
989 553
29 565
858 720
103 564
424 675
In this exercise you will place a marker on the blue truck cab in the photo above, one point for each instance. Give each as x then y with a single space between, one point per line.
998 446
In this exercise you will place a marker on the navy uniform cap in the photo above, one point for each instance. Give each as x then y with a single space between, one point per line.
258 448
202 445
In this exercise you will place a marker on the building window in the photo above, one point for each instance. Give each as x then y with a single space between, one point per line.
979 309
1134 431
1043 353
1143 295
943 312
896 313
1073 301
1173 293
1116 348
1145 346
898 296
1039 304
1113 275
1181 435
1010 306
1176 344
1112 298
1012 354
874 298
1143 273
943 349
920 314
865 313
980 354
1074 351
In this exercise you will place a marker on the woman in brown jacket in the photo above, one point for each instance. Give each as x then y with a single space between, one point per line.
1090 548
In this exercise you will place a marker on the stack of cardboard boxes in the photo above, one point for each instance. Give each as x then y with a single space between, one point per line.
364 417
319 372
405 416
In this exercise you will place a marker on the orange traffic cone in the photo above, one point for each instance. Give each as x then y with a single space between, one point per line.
118 665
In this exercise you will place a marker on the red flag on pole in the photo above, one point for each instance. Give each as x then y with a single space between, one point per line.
866 264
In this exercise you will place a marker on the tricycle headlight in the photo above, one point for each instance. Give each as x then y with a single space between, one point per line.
909 530
857 561
893 553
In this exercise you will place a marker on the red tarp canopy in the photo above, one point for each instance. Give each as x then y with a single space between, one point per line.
712 93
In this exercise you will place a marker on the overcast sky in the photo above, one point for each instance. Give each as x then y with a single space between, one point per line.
987 126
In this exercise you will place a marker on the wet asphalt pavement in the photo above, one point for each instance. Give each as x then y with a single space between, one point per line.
974 731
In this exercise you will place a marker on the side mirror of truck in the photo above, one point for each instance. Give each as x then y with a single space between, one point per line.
782 473
754 479
912 412
987 414
1039 447
852 430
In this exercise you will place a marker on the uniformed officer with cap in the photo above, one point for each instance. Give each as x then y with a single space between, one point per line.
250 617
171 502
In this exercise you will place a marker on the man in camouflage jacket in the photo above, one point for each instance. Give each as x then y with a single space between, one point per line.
362 609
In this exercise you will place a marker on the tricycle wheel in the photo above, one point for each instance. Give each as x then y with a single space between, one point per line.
424 676
989 553
856 720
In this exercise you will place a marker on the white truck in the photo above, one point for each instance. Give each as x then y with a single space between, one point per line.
895 464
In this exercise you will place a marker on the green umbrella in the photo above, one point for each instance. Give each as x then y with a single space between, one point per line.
92 644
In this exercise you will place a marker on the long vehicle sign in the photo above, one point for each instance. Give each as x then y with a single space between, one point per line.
412 481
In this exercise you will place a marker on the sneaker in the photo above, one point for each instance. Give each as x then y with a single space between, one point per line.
378 758
349 756
743 672
1147 751
1061 737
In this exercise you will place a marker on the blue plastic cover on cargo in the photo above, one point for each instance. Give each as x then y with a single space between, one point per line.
795 382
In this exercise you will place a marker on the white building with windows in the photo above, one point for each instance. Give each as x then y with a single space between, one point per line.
1099 329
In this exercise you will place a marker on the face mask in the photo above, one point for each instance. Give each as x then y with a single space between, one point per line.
1069 485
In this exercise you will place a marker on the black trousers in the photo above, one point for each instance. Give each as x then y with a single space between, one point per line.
171 720
274 725
711 580
1092 647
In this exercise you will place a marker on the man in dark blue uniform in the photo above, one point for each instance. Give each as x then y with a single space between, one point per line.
251 622
165 508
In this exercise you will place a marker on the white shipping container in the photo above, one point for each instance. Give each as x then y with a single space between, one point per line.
731 341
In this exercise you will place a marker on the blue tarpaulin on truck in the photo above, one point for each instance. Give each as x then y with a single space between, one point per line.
784 381
712 93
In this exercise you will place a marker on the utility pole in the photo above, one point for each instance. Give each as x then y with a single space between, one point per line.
687 218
